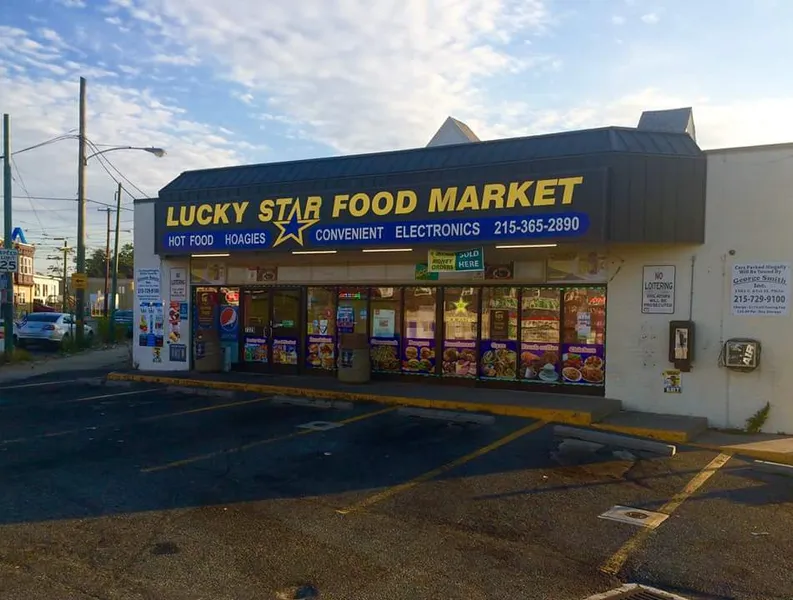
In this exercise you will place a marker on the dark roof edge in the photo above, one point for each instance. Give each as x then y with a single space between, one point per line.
442 148
144 200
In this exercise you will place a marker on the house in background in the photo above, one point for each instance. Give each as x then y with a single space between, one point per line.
48 290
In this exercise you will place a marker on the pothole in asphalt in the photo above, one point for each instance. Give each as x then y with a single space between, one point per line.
164 549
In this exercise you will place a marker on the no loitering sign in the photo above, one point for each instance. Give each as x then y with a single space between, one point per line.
658 290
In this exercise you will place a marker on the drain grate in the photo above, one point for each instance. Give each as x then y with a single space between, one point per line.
635 592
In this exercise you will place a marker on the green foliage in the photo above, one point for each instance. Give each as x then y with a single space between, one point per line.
754 424
20 355
95 262
104 334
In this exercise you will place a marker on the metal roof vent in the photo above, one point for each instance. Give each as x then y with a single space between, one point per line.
674 120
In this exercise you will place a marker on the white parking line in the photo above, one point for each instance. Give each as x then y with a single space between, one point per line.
103 396
27 385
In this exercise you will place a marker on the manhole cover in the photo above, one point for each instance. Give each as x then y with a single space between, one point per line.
636 592
634 516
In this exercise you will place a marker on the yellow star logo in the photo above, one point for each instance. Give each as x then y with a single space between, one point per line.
292 230
460 306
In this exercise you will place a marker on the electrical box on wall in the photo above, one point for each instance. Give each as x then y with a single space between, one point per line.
741 354
681 344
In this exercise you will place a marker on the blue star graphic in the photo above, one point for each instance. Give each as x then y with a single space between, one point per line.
292 229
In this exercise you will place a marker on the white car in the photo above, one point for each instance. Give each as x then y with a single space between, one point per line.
52 328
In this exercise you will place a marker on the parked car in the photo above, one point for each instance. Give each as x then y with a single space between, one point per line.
124 317
50 328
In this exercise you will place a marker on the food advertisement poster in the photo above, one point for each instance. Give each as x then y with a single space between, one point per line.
345 319
383 322
583 364
255 349
320 353
419 356
499 359
174 323
284 351
144 324
384 352
672 381
459 358
539 362
761 289
150 325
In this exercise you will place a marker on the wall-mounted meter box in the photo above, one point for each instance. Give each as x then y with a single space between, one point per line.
742 354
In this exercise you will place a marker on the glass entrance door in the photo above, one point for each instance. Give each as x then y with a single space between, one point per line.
286 349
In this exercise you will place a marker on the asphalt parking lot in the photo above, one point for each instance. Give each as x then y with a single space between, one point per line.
141 492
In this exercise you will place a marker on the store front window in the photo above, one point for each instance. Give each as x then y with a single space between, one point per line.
499 345
385 330
460 323
321 328
540 323
418 354
255 327
583 336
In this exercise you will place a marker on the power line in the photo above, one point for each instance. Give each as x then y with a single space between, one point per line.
102 158
25 189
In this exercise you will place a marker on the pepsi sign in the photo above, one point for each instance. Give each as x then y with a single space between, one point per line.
229 323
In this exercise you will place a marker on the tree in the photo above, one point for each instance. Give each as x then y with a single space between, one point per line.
126 261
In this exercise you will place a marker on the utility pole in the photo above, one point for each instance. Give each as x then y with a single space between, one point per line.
80 293
65 295
7 230
107 210
114 285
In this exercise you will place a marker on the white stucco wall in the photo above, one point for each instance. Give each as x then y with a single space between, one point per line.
143 357
749 215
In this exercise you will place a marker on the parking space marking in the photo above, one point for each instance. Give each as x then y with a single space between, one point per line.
424 477
103 396
133 421
27 385
280 438
616 561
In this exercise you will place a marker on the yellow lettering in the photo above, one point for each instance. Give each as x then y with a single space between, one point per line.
169 220
186 215
406 202
204 214
282 204
443 201
313 204
469 200
295 211
266 211
382 203
493 193
359 199
545 192
220 215
569 183
239 210
340 202
517 193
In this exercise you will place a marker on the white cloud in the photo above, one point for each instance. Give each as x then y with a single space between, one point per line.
176 59
361 67
45 106
244 97
650 18
617 20
72 3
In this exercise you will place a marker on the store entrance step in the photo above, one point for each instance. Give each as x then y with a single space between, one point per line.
668 428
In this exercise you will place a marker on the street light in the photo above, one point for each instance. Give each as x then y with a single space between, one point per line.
158 152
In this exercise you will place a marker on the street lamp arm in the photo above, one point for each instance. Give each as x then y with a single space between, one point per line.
158 152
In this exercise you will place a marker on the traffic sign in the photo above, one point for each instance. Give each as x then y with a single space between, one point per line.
79 281
9 260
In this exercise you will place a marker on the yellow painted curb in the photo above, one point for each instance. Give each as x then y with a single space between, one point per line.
673 436
784 458
510 410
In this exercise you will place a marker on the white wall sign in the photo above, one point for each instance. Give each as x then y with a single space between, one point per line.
179 284
658 290
147 285
760 289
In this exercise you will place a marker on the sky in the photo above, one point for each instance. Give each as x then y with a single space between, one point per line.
224 82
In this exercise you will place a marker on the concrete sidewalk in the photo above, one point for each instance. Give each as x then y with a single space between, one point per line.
583 411
114 357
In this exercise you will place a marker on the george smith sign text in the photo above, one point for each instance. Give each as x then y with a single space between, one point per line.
510 210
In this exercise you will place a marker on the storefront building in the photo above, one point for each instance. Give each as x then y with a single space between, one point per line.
563 261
